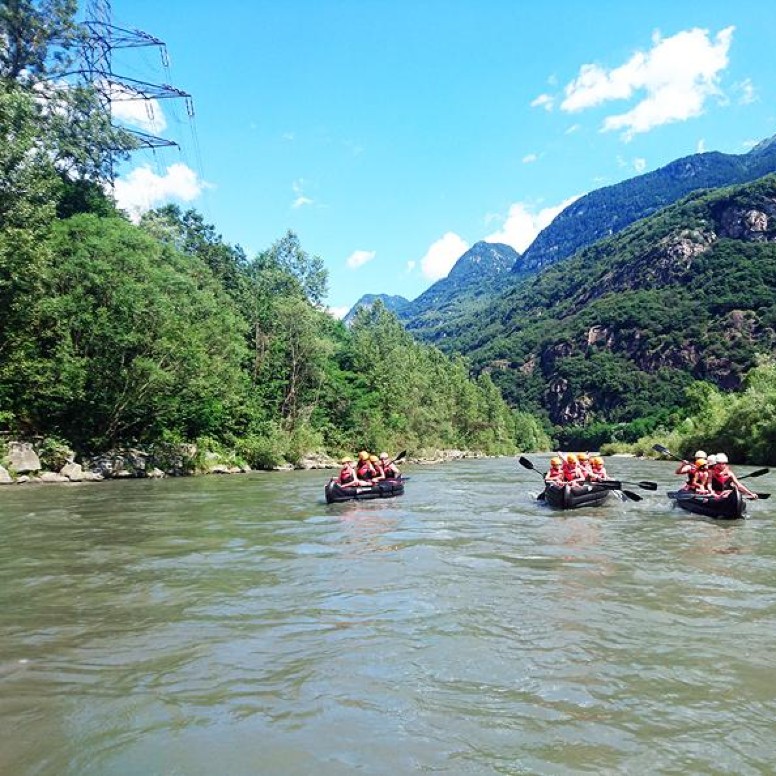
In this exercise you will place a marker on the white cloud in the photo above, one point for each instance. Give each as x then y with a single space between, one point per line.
676 76
528 158
522 225
701 147
338 312
359 258
146 115
748 145
639 164
142 189
301 200
546 101
442 255
411 265
572 129
747 92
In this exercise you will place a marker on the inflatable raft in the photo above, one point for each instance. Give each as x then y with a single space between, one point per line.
336 493
730 506
575 496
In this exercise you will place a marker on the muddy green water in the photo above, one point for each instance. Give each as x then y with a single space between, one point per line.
241 626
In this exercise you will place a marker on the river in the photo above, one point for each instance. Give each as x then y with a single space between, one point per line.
238 625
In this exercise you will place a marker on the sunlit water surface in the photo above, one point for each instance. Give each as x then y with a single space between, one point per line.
241 626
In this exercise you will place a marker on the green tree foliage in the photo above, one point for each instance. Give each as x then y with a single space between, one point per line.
36 38
138 340
741 424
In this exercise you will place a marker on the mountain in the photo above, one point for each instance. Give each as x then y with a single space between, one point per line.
617 333
474 278
475 273
396 304
609 210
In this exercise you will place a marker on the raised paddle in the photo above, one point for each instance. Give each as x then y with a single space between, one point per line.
665 451
526 464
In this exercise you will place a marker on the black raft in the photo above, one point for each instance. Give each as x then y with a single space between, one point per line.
336 493
731 506
575 496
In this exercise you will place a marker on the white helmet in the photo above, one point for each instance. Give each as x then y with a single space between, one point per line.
722 458
700 454
711 460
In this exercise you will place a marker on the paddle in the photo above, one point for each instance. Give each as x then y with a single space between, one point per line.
646 484
617 485
526 464
755 473
666 451
680 495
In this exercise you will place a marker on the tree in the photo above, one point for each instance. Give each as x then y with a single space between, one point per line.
36 38
309 271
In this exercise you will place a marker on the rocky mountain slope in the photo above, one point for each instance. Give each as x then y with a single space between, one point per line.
619 331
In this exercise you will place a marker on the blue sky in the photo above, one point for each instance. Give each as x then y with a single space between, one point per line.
391 135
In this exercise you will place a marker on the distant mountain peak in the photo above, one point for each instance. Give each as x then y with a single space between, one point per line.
763 145
394 303
486 259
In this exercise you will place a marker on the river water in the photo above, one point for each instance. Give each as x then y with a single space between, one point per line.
240 626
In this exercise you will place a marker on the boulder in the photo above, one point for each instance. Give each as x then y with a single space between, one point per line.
22 458
5 478
53 477
73 472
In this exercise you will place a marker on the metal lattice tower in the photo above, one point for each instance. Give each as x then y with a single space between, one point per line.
102 39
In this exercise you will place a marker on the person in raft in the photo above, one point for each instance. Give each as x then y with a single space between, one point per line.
347 476
378 468
365 470
585 467
390 470
688 468
723 479
555 474
599 470
571 472
700 480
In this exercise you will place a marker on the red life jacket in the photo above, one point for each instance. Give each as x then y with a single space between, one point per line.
346 475
720 478
571 472
366 471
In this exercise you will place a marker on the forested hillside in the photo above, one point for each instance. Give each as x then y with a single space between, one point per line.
162 333
615 335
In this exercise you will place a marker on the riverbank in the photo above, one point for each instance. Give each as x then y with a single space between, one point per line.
46 462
